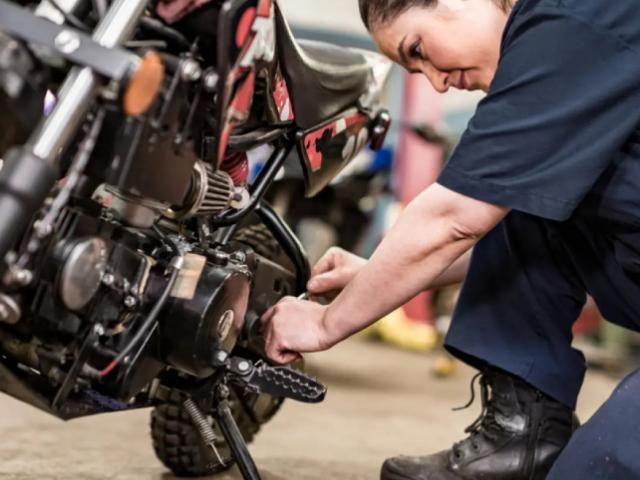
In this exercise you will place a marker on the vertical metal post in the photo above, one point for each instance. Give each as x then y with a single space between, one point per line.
76 95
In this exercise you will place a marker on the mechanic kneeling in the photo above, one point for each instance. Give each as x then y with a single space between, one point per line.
545 187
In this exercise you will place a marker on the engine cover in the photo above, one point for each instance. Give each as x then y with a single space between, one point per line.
205 315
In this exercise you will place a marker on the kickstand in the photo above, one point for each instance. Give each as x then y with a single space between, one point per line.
233 436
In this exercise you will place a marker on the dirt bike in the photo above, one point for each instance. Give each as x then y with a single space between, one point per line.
136 257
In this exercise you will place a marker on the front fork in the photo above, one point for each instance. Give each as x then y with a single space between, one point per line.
29 172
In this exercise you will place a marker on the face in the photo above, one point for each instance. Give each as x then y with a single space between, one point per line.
455 43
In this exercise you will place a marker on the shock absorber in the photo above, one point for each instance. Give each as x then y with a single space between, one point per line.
237 166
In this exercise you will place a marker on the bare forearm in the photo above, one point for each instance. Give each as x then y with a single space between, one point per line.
434 231
455 273
411 257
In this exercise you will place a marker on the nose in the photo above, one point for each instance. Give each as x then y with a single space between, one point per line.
438 79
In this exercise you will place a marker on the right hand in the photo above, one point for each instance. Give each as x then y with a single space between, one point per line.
333 271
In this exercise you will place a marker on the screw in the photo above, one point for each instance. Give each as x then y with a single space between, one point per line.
239 257
108 279
221 356
98 330
244 366
210 81
67 42
191 70
23 277
130 301
43 230
223 392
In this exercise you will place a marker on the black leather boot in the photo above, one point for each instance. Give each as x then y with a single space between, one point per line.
518 436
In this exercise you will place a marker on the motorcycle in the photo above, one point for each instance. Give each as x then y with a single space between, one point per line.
137 258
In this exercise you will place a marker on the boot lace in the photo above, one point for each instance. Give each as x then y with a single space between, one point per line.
486 425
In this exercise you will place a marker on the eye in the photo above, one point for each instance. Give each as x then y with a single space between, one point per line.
415 50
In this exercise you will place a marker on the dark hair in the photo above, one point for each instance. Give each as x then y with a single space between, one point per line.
381 11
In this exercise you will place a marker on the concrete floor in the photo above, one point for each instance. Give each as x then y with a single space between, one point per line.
381 402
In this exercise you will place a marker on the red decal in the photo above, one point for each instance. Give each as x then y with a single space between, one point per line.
238 109
241 102
282 98
224 140
356 118
264 8
315 142
244 26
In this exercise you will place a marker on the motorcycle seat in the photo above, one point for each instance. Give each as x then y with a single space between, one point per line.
323 79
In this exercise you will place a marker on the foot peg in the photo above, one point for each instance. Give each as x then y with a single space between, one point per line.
278 381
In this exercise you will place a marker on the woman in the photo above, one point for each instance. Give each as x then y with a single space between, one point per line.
545 186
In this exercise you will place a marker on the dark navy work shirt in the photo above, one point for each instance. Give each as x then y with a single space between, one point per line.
556 135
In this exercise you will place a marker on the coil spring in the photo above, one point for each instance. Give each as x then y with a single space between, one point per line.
200 422
237 166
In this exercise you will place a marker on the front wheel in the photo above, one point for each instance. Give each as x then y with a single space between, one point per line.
177 442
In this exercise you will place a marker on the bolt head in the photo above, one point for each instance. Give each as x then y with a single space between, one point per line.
23 277
239 257
191 70
130 301
108 279
67 41
210 81
244 366
221 356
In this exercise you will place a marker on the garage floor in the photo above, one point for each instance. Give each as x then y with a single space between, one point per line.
380 402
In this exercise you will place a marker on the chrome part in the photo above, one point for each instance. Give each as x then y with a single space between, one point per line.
108 279
130 301
67 41
22 276
46 10
79 88
82 273
221 356
211 81
211 192
224 325
177 262
16 276
380 72
9 310
130 209
191 71
204 427
241 198
244 366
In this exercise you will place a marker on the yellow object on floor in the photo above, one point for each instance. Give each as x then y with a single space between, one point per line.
444 366
401 331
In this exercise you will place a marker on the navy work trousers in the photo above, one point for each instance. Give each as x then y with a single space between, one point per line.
526 287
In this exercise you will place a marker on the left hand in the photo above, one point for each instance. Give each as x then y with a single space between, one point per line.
292 327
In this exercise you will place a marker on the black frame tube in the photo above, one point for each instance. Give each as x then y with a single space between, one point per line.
259 187
289 243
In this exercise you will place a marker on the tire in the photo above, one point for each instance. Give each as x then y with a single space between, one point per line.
178 445
176 441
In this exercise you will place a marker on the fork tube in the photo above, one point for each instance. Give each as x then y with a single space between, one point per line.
80 87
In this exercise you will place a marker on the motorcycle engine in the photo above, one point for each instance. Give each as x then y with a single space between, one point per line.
99 278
